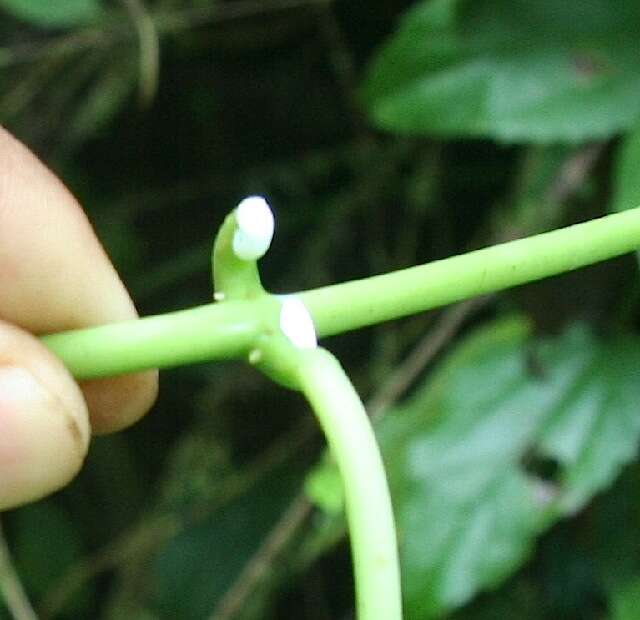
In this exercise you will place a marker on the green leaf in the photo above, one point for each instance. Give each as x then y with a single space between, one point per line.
323 486
613 546
103 101
594 431
626 178
468 509
53 14
512 70
626 601
45 544
194 570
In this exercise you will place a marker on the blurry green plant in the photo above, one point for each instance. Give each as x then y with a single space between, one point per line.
512 70
54 14
513 432
278 335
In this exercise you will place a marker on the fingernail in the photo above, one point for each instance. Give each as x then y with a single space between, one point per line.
41 443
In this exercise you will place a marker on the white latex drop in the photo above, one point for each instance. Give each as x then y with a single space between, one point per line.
296 323
255 228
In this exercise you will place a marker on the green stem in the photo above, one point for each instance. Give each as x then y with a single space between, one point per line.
343 307
287 352
233 278
353 445
211 332
227 330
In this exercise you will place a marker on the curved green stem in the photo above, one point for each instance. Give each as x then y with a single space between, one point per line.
353 445
226 330
233 277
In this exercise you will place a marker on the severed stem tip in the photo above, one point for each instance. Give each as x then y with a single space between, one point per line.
255 223
296 323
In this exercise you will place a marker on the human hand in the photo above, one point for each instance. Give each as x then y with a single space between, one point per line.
54 275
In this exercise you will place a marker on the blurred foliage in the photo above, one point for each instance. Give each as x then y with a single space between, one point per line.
626 182
53 14
514 70
385 134
489 452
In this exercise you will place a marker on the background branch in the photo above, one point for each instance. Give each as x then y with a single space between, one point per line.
14 595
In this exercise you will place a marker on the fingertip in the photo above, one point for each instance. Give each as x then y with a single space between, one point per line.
70 272
44 423
42 442
117 402
49 251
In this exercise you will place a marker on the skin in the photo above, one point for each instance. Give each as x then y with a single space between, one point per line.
54 275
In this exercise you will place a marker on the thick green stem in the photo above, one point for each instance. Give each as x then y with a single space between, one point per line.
226 330
343 307
212 332
353 445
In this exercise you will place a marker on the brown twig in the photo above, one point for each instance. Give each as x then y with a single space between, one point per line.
448 324
573 172
261 562
149 50
14 595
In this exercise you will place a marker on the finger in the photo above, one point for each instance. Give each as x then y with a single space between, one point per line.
129 395
55 275
44 426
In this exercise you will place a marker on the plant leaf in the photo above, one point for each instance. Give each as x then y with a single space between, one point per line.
194 570
594 431
512 70
45 544
468 510
626 601
102 102
48 14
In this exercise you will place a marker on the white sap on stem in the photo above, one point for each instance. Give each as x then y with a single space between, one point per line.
296 323
255 228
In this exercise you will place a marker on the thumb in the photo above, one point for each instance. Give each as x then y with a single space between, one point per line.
44 428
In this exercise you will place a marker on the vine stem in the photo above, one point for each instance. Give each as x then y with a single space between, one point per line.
348 306
228 330
352 443
369 513
288 353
